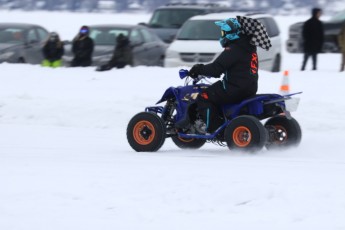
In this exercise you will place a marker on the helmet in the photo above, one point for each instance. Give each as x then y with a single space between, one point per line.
120 37
53 36
230 30
84 30
121 40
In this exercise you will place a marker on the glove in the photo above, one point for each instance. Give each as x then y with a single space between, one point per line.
194 72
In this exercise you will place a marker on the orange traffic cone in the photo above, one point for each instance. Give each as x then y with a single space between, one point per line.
285 88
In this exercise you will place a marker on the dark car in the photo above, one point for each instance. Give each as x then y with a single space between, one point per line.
166 20
332 27
21 43
147 48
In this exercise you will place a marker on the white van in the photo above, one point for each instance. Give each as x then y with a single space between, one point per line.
198 41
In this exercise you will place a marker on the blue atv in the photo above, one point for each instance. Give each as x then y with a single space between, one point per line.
242 128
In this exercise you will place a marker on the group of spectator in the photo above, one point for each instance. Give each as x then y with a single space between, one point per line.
82 49
83 46
313 38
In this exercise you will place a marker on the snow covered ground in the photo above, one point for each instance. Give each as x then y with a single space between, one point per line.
65 162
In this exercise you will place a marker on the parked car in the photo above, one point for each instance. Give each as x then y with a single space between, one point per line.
21 43
147 48
332 27
198 41
167 20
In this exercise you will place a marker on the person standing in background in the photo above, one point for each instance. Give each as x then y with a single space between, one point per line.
313 38
341 43
82 48
52 51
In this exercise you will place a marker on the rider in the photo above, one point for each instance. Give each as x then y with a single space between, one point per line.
239 65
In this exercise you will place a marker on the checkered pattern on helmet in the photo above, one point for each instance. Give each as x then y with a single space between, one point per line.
258 32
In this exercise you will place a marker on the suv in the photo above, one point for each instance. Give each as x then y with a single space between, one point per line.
166 20
332 28
198 41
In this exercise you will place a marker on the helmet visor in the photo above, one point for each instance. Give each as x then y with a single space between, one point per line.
222 33
84 31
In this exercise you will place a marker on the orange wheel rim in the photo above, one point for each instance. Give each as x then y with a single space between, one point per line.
144 132
242 136
186 140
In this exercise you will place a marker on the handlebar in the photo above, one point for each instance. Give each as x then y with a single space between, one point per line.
185 73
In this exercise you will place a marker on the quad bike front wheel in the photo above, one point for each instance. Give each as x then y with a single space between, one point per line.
245 133
188 143
146 132
283 132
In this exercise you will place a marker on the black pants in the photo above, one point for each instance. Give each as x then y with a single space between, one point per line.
76 62
306 57
110 65
209 102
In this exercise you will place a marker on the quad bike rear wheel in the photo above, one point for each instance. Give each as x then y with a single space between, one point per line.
283 132
245 133
190 143
146 132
